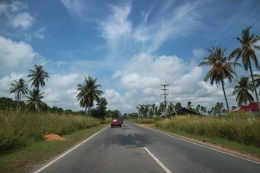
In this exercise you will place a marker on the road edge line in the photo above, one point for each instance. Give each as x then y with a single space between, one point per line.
50 163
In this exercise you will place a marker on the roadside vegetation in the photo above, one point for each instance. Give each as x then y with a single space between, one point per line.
20 129
241 127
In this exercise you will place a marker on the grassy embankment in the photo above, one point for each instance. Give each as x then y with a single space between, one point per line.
22 145
240 131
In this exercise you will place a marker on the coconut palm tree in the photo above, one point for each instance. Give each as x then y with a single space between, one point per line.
88 93
257 79
242 91
221 69
34 99
247 53
19 88
38 76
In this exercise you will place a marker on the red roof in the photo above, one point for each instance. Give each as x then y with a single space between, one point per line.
249 107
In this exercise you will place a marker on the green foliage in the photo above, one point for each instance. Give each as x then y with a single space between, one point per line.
242 127
8 103
217 110
88 93
19 129
100 110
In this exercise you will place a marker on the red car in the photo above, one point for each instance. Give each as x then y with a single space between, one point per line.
115 122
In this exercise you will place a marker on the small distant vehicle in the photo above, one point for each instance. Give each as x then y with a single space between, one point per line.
116 122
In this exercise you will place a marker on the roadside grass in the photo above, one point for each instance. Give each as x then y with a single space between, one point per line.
143 120
234 146
236 131
242 130
19 129
34 155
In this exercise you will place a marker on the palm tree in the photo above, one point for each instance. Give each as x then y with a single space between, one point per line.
221 69
245 51
34 99
37 76
257 80
88 93
19 88
241 89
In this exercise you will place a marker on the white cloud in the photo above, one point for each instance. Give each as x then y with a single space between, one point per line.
198 53
40 33
116 29
15 17
144 70
5 83
61 90
23 20
14 55
13 7
76 8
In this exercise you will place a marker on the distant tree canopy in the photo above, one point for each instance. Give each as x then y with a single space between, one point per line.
100 110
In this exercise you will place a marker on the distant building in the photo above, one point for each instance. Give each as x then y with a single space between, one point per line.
249 107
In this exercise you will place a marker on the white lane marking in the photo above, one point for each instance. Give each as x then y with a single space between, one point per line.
39 170
158 161
206 147
132 135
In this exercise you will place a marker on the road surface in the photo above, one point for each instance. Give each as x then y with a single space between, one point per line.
136 149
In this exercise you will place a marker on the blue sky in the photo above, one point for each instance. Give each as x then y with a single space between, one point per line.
131 47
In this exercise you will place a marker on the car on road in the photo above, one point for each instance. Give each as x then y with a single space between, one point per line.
115 122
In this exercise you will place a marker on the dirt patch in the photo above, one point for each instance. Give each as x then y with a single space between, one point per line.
147 125
205 143
51 137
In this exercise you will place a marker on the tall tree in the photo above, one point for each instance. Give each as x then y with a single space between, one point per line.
247 53
38 76
88 93
34 99
221 69
242 91
19 88
257 80
100 110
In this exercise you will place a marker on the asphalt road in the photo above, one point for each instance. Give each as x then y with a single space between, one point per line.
137 149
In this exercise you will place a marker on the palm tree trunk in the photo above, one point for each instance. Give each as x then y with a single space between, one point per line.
222 82
253 80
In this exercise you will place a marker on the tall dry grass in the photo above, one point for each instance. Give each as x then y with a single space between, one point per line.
242 127
19 129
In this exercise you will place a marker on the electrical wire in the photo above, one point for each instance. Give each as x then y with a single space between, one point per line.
177 75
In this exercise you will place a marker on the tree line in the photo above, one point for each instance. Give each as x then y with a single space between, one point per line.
88 93
222 68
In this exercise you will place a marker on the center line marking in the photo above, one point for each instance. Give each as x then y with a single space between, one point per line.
158 161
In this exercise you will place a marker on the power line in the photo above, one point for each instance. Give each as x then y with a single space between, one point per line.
210 93
185 69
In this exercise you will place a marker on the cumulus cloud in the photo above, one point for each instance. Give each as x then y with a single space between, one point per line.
23 20
11 60
5 83
61 90
15 17
145 70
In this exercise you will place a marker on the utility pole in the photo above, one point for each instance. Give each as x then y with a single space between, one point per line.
164 94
